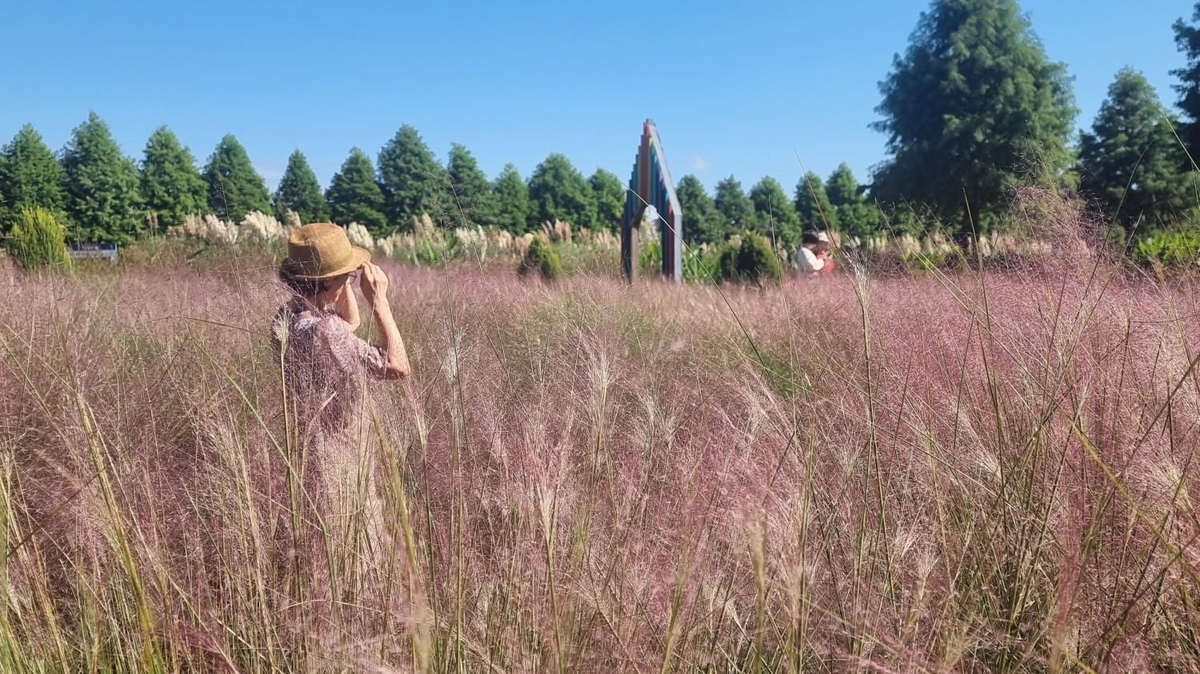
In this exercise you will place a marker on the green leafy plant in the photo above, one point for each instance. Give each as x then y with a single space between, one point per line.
702 263
650 257
1174 248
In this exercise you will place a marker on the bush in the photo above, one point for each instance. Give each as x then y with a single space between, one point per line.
542 259
1173 249
750 260
702 263
651 254
39 239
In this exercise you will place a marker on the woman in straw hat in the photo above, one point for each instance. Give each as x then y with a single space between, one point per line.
326 367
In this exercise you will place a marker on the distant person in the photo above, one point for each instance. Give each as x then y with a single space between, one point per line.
815 257
326 368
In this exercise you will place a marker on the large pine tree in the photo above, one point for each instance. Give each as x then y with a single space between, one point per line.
171 185
234 187
813 205
412 181
512 201
299 191
774 214
1131 162
1187 39
733 205
856 216
102 186
970 109
30 176
609 193
702 223
472 200
842 187
354 196
558 191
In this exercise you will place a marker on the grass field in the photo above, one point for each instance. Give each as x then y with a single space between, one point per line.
947 473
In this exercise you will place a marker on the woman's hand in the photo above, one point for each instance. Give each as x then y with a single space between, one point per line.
374 284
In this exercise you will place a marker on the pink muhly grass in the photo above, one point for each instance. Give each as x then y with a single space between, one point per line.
907 474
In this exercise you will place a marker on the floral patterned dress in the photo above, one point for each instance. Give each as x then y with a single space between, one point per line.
327 369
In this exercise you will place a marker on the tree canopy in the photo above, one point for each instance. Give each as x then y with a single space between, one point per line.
234 187
300 191
558 191
102 198
733 204
702 223
972 108
473 201
171 185
774 214
513 210
1130 161
412 181
609 194
816 210
1187 39
30 177
354 196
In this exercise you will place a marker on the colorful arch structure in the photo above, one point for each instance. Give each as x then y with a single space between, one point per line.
652 192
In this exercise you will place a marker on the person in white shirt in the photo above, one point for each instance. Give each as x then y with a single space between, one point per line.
814 257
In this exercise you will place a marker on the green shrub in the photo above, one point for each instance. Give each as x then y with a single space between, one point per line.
39 239
1174 248
750 260
541 258
1116 238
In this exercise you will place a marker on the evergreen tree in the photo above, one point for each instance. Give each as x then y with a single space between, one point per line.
609 193
855 215
102 186
861 218
354 196
512 201
842 187
171 184
972 105
1131 161
702 223
774 215
234 187
1187 39
557 191
299 191
733 205
815 208
412 181
473 202
30 177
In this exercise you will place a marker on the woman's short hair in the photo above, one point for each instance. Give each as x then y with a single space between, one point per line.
304 287
821 247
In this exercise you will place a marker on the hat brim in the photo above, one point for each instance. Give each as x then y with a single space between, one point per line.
359 257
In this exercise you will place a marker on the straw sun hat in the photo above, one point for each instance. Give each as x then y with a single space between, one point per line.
320 251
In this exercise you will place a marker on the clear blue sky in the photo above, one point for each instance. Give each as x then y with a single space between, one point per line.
734 89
